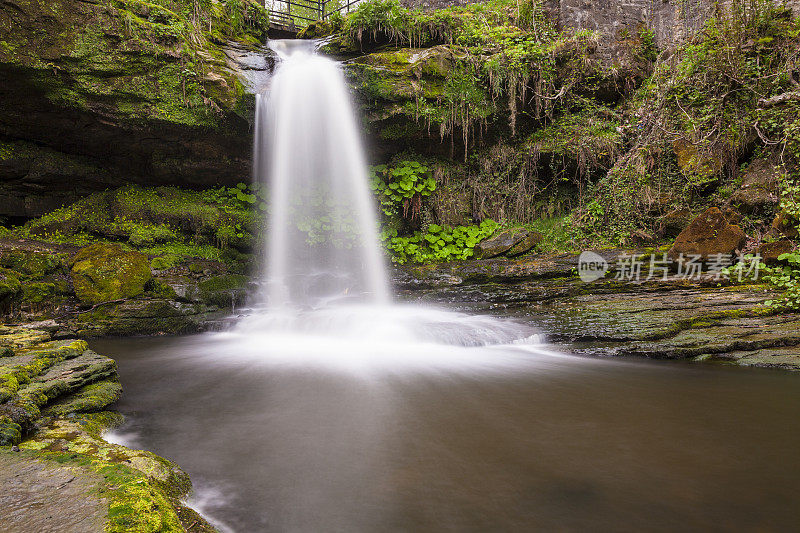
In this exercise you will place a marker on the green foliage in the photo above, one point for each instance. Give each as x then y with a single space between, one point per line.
506 50
242 197
786 278
472 25
438 243
790 197
557 235
158 221
695 119
165 262
398 185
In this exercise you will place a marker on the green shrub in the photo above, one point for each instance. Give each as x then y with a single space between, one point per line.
787 279
438 243
397 186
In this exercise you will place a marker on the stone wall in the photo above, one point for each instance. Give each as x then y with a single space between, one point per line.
672 21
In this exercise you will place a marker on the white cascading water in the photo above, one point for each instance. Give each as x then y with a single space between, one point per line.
323 244
326 293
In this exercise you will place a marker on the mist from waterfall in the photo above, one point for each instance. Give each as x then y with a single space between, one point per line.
322 243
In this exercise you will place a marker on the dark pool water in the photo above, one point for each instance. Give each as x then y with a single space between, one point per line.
512 440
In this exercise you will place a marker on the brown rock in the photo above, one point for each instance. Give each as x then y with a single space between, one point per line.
786 225
708 234
759 189
770 251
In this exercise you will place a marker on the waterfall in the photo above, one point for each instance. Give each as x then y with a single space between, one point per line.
325 286
322 242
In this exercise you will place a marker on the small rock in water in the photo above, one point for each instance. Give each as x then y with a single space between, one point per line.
15 448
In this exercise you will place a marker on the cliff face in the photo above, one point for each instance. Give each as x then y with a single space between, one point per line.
97 93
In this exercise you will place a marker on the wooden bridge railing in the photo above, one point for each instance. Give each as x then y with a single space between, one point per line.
297 14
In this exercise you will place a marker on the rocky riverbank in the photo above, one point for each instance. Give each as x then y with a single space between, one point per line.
58 473
704 319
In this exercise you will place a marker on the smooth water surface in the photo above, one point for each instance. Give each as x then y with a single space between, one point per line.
425 436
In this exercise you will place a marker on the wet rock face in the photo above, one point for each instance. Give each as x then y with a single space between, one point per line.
387 85
105 272
670 20
771 251
670 318
54 397
674 222
708 235
786 225
56 377
88 102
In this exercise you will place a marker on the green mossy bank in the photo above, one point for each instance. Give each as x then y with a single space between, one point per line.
54 401
100 93
522 122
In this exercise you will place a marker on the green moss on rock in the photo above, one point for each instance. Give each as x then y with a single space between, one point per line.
31 263
90 398
223 291
10 432
105 272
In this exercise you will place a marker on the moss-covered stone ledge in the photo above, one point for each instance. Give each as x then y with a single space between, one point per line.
698 320
57 471
42 378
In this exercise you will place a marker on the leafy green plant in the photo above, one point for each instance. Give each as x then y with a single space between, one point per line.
438 243
787 279
243 196
790 198
401 187
784 277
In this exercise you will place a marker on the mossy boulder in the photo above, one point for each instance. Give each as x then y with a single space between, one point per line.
787 225
90 398
674 222
9 284
771 251
701 168
514 241
143 317
31 263
94 94
104 272
708 235
10 432
526 244
224 291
